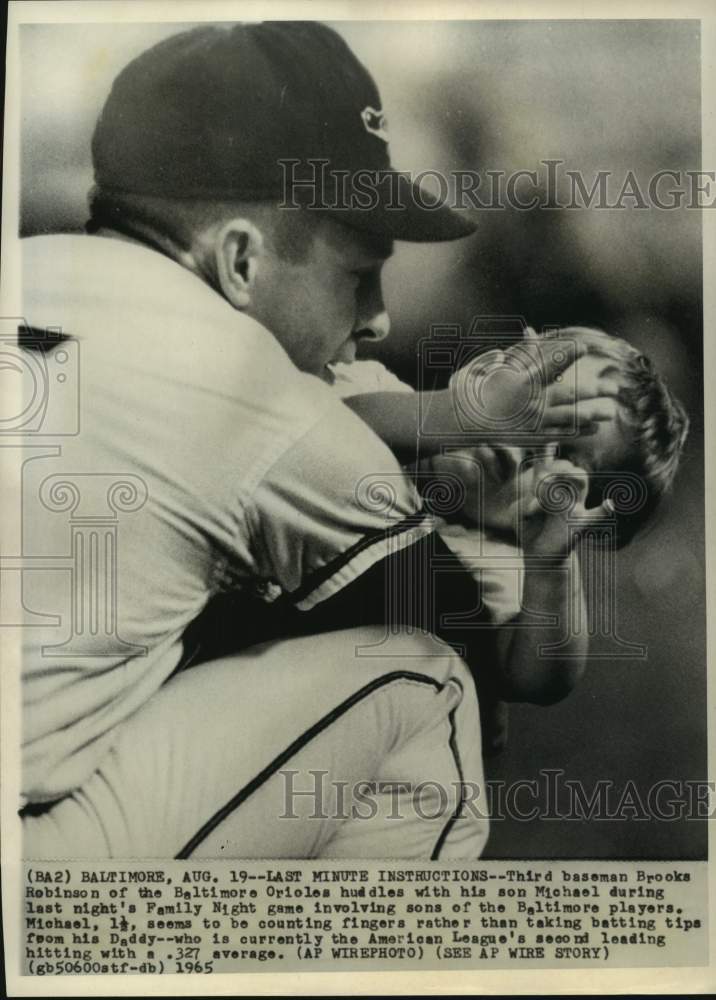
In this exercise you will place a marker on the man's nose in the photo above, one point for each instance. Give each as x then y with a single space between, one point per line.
372 320
377 327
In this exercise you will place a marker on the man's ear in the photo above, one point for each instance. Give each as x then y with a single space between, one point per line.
238 246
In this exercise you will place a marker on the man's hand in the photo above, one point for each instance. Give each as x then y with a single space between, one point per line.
532 387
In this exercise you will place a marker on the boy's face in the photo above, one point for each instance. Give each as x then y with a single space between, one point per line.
511 475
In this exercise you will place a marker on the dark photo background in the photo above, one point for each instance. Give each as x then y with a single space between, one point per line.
499 95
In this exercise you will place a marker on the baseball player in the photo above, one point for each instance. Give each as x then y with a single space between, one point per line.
213 458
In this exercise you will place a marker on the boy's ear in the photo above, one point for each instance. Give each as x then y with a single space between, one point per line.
238 246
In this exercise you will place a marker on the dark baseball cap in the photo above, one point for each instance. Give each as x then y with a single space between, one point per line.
277 110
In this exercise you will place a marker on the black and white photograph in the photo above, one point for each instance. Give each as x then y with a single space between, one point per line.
354 584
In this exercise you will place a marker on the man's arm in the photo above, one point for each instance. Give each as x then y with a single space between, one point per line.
426 587
481 397
422 586
338 533
400 418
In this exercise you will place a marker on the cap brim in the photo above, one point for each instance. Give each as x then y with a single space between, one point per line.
403 210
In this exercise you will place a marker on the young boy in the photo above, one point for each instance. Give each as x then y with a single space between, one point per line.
511 526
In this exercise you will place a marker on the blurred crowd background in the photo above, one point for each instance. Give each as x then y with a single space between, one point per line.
505 95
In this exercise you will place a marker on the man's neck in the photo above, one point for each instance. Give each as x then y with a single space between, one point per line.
114 234
141 234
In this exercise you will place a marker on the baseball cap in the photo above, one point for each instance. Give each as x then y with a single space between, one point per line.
274 110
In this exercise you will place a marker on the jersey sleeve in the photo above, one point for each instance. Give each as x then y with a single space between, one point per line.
360 377
332 505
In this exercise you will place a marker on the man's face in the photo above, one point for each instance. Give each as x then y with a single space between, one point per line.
319 306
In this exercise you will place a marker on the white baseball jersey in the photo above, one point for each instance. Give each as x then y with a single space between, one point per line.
201 459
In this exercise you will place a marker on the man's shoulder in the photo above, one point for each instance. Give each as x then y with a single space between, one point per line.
103 289
66 254
140 316
93 269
